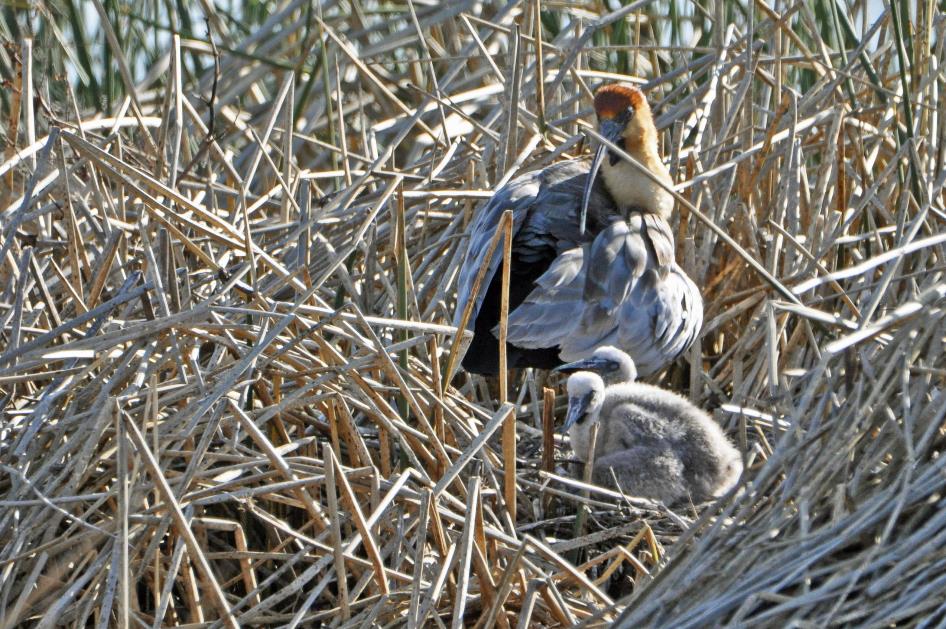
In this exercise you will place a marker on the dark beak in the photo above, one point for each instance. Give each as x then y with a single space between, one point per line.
612 130
597 365
577 407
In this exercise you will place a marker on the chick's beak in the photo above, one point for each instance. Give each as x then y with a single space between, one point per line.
597 365
577 407
612 130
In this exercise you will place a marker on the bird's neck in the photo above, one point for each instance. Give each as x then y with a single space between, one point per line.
629 187
580 438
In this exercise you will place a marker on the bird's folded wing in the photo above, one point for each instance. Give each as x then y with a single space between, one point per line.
517 193
658 330
663 313
545 207
577 294
553 307
627 291
614 266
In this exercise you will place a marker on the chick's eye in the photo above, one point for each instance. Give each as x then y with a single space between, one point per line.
630 112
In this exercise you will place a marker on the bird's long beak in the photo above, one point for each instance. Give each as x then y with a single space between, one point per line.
612 130
597 365
577 407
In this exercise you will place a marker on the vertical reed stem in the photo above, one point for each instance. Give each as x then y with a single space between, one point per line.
509 426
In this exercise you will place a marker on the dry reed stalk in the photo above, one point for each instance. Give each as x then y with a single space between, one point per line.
509 427
336 536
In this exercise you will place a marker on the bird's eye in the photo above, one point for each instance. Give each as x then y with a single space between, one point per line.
630 112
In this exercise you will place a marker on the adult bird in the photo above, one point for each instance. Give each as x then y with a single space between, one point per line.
592 258
655 443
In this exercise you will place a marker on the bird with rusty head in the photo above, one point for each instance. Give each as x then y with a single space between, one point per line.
592 257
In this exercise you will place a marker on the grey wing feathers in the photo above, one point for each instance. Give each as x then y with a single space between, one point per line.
628 292
671 298
555 192
484 227
553 308
663 327
574 296
622 288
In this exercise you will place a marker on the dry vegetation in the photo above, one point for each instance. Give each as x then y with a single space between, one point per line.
224 354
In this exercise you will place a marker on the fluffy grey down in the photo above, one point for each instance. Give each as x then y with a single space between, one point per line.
657 444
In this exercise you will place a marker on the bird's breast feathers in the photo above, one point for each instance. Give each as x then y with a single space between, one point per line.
632 188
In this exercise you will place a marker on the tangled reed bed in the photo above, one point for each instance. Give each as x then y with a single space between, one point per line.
224 379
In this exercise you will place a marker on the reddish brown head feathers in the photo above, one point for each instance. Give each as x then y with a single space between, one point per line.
612 100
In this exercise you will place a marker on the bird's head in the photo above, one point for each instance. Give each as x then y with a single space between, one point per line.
624 115
624 118
585 397
612 364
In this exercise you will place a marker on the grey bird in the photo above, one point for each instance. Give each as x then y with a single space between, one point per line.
655 443
613 365
592 258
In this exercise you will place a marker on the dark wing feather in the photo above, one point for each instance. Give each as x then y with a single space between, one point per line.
545 205
517 196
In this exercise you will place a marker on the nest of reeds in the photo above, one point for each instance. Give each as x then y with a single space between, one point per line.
224 368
